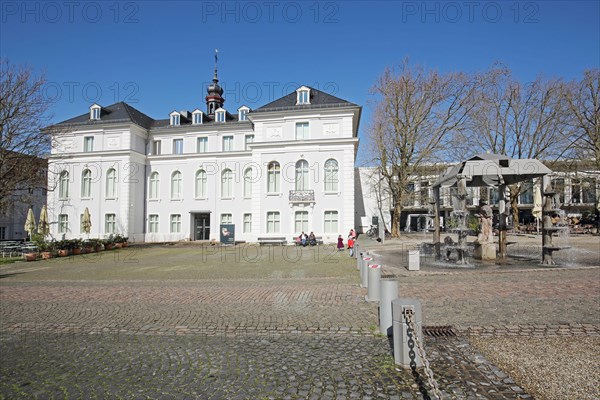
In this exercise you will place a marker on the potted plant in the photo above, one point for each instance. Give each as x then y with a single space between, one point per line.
30 256
109 242
76 245
118 239
63 247
45 248
88 246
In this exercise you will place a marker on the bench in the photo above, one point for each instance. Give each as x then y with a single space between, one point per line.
271 240
318 239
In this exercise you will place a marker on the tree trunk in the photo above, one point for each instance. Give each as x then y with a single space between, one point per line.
395 229
514 206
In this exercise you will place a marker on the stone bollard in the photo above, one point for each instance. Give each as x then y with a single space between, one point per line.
388 292
405 347
414 260
364 277
374 276
356 250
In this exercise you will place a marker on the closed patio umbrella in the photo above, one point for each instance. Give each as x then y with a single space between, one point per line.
43 226
86 221
30 222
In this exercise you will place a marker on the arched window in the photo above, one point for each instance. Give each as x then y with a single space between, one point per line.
86 183
200 184
302 175
111 183
176 185
63 185
273 175
248 182
154 185
227 184
331 175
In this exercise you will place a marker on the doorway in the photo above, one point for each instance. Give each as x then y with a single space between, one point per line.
202 226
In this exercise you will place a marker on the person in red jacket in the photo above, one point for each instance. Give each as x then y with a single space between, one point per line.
351 245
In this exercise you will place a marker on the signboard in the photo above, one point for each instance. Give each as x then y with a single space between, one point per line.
227 232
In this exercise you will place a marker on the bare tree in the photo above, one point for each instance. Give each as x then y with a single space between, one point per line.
23 144
416 112
583 100
517 120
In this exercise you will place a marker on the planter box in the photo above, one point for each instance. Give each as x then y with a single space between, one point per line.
46 255
76 252
30 256
63 253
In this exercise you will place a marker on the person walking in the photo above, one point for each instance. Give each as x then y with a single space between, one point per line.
340 244
351 245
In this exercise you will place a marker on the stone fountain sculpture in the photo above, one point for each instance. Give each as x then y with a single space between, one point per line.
485 249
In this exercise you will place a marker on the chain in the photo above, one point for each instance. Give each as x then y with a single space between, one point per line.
408 313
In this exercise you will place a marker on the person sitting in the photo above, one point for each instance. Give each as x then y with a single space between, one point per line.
312 240
303 238
299 240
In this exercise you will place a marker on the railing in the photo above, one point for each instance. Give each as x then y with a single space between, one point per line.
301 196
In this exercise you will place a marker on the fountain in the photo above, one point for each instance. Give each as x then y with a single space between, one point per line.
459 217
553 222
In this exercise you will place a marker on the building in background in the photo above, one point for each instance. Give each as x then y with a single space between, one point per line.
276 171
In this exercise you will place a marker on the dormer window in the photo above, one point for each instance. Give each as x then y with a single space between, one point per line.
95 112
175 119
220 115
303 95
243 113
197 117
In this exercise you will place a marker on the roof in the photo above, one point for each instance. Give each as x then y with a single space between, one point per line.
123 112
318 99
492 170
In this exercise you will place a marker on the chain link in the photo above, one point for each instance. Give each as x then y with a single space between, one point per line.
408 314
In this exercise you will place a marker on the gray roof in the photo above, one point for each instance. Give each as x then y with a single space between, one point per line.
318 99
492 170
123 112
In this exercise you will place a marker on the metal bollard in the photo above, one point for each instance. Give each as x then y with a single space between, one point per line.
389 293
364 272
374 276
359 257
405 347
356 250
414 260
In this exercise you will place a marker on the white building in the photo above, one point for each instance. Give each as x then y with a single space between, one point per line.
275 171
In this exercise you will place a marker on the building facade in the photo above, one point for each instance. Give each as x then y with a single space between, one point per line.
276 171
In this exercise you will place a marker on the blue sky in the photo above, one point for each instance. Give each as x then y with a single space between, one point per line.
158 55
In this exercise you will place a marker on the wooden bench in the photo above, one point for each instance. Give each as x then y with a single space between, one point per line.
271 240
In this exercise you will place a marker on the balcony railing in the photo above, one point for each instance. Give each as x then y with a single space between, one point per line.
302 196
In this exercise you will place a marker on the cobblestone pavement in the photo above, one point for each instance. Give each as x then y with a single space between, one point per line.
170 326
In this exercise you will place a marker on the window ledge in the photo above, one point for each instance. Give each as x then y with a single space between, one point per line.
176 199
275 194
154 200
87 198
200 198
331 193
111 198
227 198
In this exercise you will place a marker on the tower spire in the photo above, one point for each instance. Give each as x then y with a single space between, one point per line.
215 79
215 99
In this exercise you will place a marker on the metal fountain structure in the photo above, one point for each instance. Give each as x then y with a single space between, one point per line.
494 170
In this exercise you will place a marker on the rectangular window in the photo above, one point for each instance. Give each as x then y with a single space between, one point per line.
95 113
227 143
156 147
202 145
63 223
243 115
177 146
331 221
153 223
88 144
303 97
2 233
301 221
273 223
526 195
247 223
302 130
248 139
226 219
221 116
175 119
175 223
197 118
110 223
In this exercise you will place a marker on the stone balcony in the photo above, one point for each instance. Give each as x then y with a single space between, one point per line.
302 196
